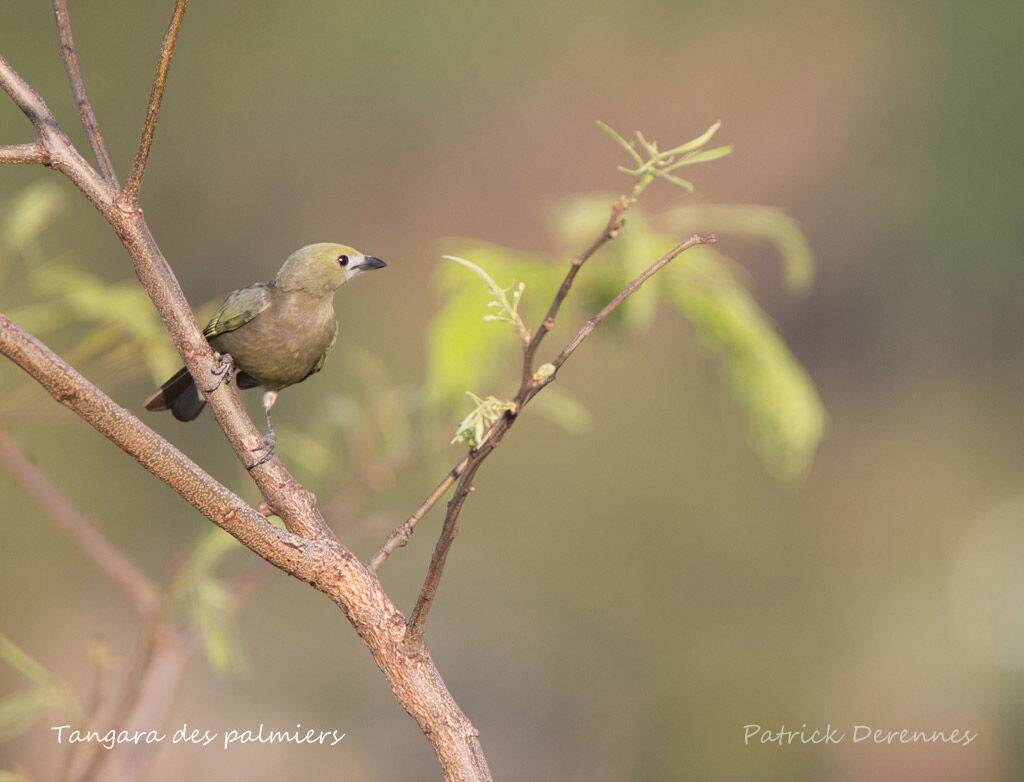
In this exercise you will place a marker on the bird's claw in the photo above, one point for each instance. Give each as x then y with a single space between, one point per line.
266 444
221 371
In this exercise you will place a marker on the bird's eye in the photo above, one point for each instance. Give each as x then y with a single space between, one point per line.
343 260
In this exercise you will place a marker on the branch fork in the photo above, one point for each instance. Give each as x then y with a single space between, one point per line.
531 384
308 550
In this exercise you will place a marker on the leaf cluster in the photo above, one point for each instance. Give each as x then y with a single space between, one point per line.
783 413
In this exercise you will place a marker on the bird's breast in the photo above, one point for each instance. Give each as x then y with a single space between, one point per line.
282 344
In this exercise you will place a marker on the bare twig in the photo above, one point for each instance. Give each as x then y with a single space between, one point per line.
308 550
611 230
293 503
58 152
401 534
611 306
418 617
83 531
85 112
530 387
321 562
156 95
23 153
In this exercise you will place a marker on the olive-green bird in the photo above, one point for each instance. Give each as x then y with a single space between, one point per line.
277 333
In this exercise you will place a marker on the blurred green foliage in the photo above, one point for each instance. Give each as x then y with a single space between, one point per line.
110 322
208 602
784 415
21 710
372 423
886 127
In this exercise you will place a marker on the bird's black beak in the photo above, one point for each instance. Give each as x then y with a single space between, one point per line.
370 262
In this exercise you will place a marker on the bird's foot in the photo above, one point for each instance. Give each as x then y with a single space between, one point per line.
221 371
266 445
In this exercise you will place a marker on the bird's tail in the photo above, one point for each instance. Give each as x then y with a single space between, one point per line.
179 395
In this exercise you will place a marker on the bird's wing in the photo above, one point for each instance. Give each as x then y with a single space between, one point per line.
323 359
238 308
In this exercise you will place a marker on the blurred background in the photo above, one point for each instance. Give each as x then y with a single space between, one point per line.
624 598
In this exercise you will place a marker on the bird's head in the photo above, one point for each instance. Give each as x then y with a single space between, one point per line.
320 269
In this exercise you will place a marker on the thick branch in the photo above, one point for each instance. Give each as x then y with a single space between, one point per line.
156 95
294 504
311 553
153 452
85 112
323 563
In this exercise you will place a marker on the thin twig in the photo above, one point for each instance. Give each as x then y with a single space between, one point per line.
322 562
611 230
401 534
58 152
417 619
611 306
156 95
23 153
309 551
83 531
85 112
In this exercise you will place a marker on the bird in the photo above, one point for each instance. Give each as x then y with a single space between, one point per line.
273 334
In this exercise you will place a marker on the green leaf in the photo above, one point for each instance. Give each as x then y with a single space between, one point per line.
696 143
473 427
621 141
508 311
545 370
659 163
18 659
686 184
209 605
704 156
463 352
19 711
785 417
